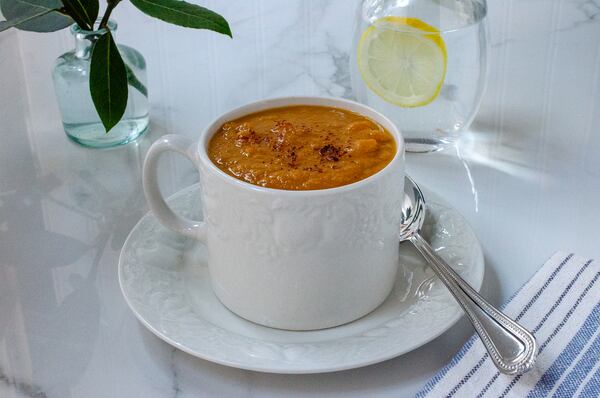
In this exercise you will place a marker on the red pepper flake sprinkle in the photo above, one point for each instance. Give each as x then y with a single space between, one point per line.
331 153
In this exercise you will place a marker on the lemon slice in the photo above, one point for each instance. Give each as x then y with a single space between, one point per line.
403 60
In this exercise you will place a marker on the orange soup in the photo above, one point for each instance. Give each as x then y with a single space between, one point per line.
302 147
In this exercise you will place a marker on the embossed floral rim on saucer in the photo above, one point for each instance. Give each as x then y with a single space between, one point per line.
164 279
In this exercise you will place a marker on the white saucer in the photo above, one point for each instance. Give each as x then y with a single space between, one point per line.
164 278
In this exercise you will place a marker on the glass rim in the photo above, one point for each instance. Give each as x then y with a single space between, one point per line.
372 20
112 26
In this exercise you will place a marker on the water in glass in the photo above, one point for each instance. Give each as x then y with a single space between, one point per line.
71 83
423 64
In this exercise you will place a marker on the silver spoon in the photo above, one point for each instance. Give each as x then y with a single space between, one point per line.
513 348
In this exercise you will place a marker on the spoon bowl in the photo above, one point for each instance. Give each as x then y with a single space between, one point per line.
413 209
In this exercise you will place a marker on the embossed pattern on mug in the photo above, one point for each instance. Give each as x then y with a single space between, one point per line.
157 268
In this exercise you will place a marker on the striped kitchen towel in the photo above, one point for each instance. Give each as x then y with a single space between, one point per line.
561 306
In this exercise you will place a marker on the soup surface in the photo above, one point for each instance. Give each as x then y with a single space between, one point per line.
302 147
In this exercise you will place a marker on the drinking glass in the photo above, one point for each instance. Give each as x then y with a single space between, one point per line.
423 64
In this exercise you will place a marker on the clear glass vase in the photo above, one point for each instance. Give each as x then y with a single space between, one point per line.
71 84
422 63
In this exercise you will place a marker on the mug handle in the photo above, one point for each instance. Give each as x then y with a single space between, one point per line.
156 202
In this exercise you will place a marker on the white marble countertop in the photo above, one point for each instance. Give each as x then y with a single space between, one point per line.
527 177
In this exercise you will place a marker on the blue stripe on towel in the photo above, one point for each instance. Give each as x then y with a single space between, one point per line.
445 370
540 324
475 368
470 342
556 330
567 356
583 367
592 388
539 292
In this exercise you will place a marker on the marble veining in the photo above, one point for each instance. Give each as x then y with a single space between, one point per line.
20 387
590 10
174 376
338 82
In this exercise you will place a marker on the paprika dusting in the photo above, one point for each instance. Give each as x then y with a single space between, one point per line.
302 147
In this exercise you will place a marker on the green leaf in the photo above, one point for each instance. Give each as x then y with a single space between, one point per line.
135 83
15 22
108 81
84 12
181 13
33 15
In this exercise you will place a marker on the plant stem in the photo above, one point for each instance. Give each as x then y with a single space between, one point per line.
111 5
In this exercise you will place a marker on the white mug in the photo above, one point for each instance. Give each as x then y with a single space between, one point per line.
296 260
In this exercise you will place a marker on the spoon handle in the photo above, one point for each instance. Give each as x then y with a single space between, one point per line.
513 349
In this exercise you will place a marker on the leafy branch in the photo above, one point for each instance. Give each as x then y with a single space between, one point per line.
109 74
